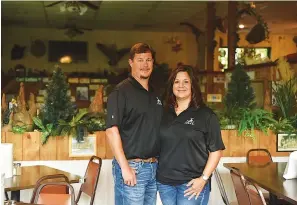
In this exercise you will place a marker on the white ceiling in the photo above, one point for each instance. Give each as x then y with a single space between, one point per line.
142 15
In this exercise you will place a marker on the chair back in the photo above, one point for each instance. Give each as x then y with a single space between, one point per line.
239 186
91 179
221 187
50 198
51 189
258 156
255 194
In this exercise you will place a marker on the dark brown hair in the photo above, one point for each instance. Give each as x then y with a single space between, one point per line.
141 48
196 98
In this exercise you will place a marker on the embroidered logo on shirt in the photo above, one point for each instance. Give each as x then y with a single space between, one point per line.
190 122
158 101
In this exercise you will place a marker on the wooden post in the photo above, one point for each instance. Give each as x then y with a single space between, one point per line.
210 45
232 27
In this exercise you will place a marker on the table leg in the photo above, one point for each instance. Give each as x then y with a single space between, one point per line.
272 199
6 196
15 195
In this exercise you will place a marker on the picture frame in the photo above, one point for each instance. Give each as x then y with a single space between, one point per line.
219 79
94 86
72 98
42 92
85 148
286 142
82 93
40 99
84 80
214 97
45 80
73 80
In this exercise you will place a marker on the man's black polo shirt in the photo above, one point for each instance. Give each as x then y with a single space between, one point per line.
186 141
137 113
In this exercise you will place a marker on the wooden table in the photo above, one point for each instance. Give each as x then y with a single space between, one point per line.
29 176
270 177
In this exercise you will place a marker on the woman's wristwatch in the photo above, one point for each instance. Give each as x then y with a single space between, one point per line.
204 177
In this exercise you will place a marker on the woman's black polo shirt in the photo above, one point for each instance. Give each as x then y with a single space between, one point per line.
186 141
137 113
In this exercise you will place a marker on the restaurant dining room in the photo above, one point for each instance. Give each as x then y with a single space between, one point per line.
62 61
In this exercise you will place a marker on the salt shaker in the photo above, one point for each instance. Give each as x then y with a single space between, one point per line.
17 169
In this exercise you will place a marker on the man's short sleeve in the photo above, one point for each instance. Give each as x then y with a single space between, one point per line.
214 138
115 109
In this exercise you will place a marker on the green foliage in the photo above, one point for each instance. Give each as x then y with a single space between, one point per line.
17 129
294 121
58 105
76 127
46 130
95 122
240 94
283 126
252 119
285 97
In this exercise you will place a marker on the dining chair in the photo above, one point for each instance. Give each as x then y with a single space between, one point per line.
221 187
255 194
239 186
52 198
261 157
91 179
51 189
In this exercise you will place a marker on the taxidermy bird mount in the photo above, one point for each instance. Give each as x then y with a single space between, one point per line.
112 53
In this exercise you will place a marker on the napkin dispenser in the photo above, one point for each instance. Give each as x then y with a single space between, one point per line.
291 168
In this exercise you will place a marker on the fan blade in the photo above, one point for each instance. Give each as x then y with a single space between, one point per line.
86 29
78 31
88 4
53 4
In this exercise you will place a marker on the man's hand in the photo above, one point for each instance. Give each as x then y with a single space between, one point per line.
129 176
195 187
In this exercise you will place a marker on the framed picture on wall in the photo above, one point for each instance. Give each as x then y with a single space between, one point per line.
286 142
82 93
85 148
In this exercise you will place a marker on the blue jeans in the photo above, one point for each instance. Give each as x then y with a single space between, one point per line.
145 190
174 195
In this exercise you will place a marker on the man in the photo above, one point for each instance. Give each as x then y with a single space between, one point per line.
133 117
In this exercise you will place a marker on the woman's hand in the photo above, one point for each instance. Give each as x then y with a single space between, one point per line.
195 187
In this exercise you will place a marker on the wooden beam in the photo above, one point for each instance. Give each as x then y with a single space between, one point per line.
210 30
232 28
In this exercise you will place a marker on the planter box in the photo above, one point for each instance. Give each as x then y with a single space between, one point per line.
238 146
28 146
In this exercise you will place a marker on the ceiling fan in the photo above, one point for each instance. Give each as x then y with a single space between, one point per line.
74 6
74 3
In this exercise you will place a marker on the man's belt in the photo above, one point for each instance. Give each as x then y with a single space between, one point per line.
149 160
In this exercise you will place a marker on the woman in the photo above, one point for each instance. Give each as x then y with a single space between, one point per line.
191 143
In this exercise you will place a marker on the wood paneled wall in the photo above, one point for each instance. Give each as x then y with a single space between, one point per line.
27 147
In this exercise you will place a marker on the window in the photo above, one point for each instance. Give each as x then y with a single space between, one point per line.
247 56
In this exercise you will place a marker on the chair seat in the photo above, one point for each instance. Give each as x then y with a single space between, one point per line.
54 199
